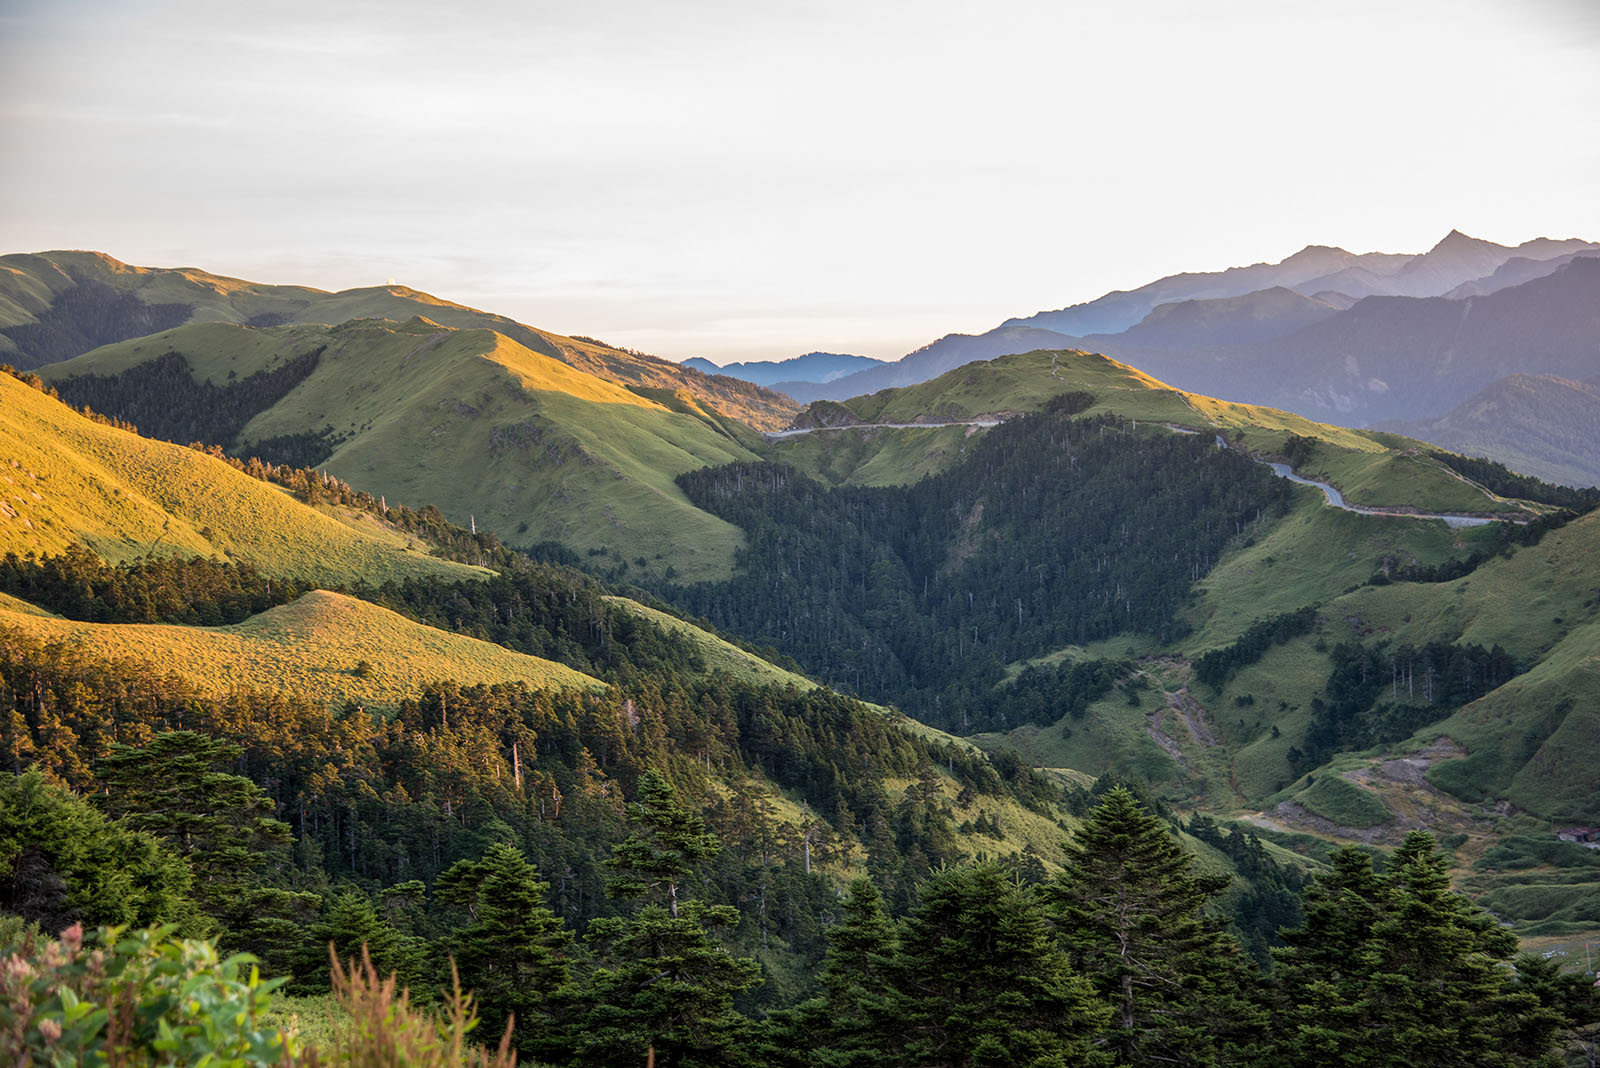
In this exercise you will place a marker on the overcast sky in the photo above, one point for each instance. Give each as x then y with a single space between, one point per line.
743 179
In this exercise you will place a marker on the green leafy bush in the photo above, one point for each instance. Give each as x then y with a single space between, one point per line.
133 998
142 999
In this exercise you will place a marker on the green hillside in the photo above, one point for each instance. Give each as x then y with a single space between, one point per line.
1347 730
1533 741
720 655
324 646
1538 603
1374 470
55 305
67 479
476 423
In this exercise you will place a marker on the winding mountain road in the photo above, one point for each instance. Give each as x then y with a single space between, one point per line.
778 435
1334 498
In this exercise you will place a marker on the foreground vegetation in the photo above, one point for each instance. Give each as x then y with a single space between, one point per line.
1115 960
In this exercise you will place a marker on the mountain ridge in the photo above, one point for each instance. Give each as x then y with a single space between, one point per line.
118 298
774 374
473 421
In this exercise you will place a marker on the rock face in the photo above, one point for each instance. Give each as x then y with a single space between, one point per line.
820 414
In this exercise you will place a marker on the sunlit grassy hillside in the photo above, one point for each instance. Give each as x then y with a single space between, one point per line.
1375 470
720 655
487 429
324 646
32 285
67 479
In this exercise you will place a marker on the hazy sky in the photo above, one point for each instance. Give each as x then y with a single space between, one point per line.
748 179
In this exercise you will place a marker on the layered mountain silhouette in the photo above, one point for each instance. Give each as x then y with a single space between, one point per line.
1332 335
812 367
1541 425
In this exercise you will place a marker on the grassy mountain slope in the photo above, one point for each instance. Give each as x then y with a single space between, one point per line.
935 358
1524 747
311 647
1541 604
481 426
721 655
1529 742
1533 741
56 305
67 479
1374 470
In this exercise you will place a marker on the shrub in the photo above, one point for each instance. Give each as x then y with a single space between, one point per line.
132 998
383 1029
139 999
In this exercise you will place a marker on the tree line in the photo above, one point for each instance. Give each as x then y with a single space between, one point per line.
1423 684
1499 479
163 398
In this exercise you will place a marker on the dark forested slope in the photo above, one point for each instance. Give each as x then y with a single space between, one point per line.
1054 531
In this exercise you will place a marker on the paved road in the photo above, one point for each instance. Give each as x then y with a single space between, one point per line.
779 434
1335 498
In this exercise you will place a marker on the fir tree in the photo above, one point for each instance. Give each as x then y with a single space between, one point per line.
667 843
1128 908
64 862
350 922
978 981
514 952
1571 998
663 991
1399 970
221 824
848 1025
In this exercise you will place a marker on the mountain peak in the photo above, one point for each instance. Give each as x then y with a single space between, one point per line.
1455 240
1317 254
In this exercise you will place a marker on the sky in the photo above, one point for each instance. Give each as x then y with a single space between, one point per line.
743 179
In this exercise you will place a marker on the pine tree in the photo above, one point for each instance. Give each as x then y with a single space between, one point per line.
662 994
977 980
666 845
848 1025
1571 1001
1128 908
514 953
1399 970
221 824
65 862
348 923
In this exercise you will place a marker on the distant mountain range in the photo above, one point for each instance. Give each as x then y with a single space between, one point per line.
1336 336
813 367
1541 425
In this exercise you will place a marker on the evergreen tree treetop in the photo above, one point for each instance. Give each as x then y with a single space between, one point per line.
669 842
1128 909
1397 969
979 981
